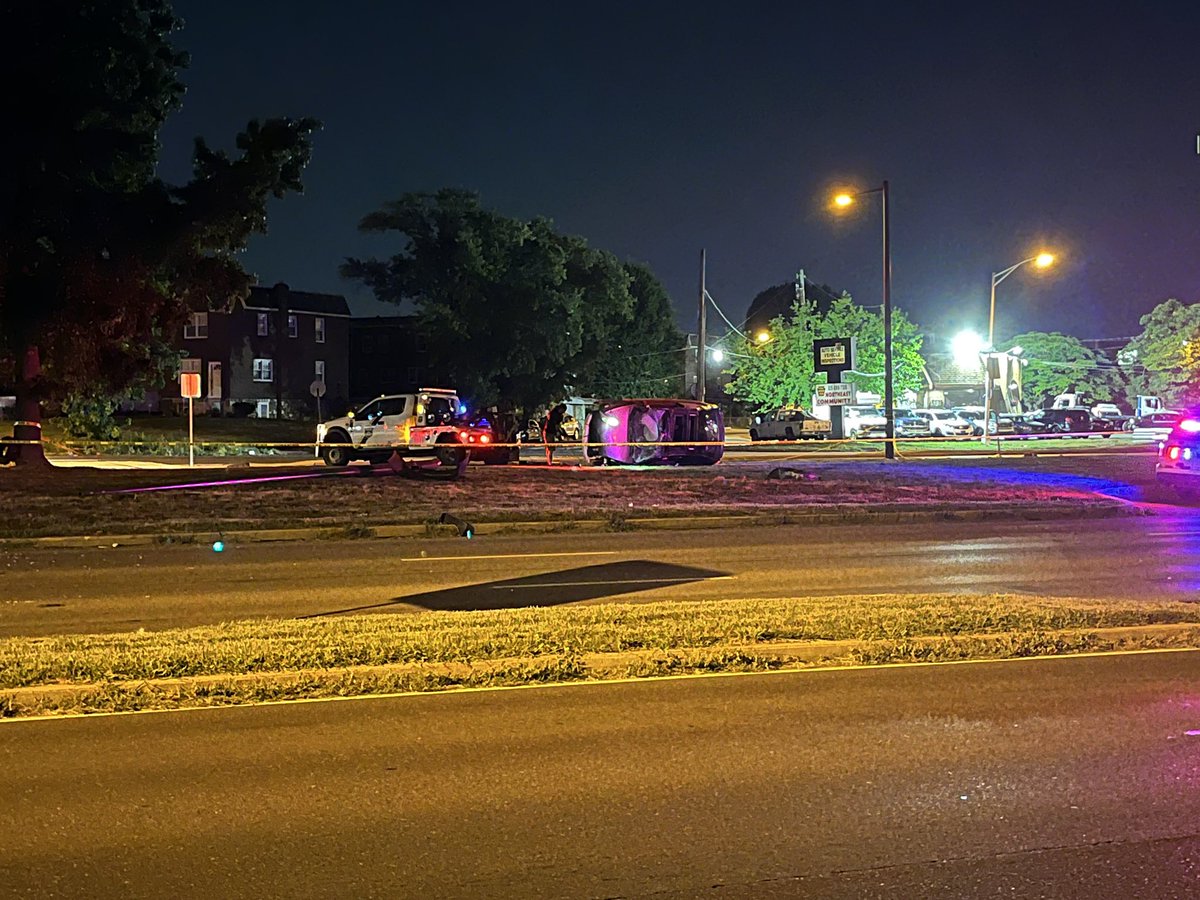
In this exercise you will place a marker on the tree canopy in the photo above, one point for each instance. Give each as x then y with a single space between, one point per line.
780 371
1061 364
514 311
99 258
1167 353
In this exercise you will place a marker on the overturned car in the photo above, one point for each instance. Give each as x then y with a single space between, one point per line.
654 432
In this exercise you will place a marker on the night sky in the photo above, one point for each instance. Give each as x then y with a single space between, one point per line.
655 129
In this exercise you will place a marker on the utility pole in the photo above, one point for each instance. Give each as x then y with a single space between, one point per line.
800 294
701 352
889 399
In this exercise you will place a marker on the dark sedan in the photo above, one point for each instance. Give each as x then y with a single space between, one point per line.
1071 422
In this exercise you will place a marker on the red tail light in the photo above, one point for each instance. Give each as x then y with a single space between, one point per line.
1172 453
462 435
484 439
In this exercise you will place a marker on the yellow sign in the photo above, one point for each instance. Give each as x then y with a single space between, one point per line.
833 356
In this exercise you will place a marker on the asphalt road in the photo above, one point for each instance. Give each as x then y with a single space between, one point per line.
45 591
1073 777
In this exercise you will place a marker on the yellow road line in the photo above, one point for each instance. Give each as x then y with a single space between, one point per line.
608 681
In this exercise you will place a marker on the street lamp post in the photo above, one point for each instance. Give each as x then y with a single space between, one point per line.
844 200
1042 260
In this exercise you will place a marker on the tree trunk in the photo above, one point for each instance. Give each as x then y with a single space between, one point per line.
29 412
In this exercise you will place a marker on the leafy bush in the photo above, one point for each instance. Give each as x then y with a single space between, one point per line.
91 416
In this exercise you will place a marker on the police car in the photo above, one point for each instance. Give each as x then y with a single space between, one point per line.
416 425
1178 463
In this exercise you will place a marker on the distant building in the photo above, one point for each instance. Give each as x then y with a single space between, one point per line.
388 355
261 356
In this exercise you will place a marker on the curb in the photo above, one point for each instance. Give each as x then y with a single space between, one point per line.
837 516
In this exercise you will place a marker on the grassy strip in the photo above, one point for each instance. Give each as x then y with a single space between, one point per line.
442 637
276 659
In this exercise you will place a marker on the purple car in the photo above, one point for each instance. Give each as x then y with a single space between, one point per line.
654 433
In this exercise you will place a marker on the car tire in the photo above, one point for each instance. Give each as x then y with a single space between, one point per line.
337 454
853 435
790 433
754 434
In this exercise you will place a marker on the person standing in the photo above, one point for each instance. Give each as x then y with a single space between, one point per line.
552 430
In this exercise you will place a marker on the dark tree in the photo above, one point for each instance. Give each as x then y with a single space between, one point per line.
98 256
513 311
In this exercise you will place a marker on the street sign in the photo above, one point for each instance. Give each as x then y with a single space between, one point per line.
317 388
835 394
833 356
189 385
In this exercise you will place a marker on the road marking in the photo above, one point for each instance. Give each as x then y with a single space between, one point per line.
603 681
510 555
555 584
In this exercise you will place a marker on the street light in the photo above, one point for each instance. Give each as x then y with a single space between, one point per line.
965 348
763 336
843 200
1041 261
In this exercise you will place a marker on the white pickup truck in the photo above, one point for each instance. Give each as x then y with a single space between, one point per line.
415 426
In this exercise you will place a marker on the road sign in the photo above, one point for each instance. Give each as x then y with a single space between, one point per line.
189 385
835 394
317 388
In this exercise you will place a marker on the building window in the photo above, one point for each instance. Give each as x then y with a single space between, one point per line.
263 370
189 364
264 325
293 326
196 327
319 370
319 329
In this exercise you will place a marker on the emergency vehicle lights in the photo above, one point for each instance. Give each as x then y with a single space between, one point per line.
1172 453
611 421
1192 425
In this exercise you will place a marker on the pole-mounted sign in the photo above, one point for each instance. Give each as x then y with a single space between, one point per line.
189 386
833 356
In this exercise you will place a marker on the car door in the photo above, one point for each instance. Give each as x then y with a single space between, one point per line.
388 423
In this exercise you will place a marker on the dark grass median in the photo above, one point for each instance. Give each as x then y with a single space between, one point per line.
81 501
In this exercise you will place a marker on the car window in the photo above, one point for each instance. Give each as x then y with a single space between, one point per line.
393 406
368 410
438 411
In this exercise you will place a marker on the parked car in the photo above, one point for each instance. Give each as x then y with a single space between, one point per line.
999 424
1073 422
654 432
1111 413
1156 426
482 433
788 424
1178 464
863 422
908 424
945 423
